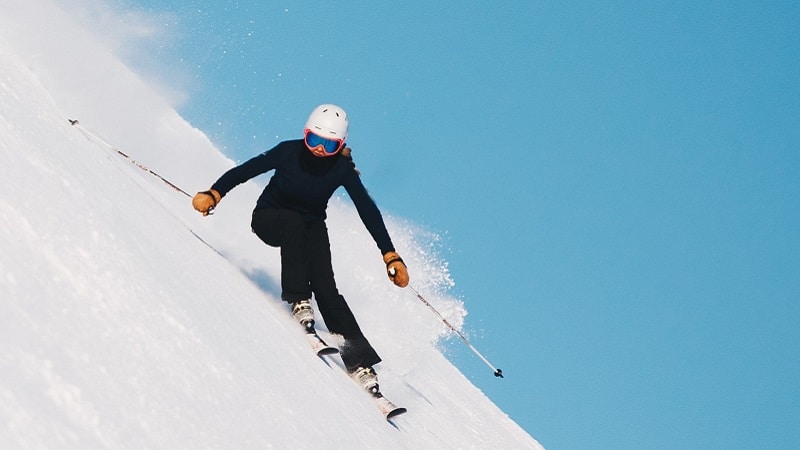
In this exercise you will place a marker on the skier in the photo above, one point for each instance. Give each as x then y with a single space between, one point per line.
291 213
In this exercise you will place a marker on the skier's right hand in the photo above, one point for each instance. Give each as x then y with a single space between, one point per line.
206 201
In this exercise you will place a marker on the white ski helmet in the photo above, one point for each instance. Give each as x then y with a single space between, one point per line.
328 121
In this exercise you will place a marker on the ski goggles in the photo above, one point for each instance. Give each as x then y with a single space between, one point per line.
326 146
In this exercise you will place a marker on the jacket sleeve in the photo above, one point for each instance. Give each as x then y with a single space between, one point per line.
368 211
251 168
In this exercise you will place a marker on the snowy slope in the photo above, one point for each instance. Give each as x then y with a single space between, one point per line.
119 328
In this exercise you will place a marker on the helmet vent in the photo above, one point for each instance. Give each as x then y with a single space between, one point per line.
328 119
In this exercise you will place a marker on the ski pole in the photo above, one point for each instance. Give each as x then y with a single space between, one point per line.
497 372
97 138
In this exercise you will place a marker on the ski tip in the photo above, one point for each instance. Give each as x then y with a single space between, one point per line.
395 412
327 351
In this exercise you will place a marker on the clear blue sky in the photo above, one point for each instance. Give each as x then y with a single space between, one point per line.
617 185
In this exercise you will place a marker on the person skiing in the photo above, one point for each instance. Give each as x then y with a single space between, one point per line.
290 214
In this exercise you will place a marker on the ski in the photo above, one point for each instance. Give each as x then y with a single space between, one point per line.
386 407
366 377
318 345
368 380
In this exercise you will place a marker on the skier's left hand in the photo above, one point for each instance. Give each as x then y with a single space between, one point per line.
396 269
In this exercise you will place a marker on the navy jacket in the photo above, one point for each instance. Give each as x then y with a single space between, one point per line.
304 183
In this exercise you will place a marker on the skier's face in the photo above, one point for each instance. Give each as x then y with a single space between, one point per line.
321 146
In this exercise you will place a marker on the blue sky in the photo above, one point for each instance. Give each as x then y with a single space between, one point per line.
616 185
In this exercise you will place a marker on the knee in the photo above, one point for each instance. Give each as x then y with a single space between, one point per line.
277 227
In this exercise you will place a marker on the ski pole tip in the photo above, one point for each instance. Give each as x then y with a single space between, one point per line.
498 373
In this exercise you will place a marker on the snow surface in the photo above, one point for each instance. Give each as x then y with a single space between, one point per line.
120 328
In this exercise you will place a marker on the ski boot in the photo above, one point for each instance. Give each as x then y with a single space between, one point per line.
368 379
304 313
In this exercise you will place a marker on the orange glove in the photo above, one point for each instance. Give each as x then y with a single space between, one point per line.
206 201
396 269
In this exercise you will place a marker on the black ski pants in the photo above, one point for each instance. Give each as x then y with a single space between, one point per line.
305 268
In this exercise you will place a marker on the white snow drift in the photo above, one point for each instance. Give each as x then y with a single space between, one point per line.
120 328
